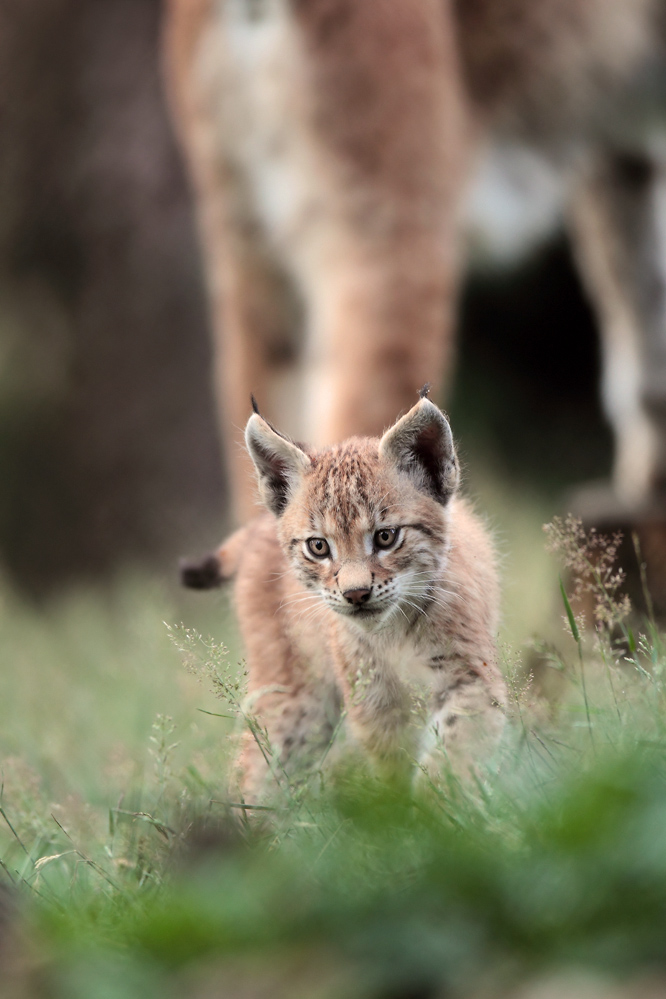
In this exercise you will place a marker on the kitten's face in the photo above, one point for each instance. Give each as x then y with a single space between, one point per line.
361 536
364 524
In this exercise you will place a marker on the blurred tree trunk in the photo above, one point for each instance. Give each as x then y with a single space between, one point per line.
108 446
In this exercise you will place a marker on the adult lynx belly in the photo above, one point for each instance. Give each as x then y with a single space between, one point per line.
269 136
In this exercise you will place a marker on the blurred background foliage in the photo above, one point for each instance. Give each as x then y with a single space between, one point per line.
108 446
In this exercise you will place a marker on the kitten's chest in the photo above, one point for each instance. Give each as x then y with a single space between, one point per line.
414 663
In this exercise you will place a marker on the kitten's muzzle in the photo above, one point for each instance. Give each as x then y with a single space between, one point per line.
357 597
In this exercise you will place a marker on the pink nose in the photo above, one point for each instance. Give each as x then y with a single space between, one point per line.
356 597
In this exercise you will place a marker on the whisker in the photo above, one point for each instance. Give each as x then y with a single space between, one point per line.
303 611
297 604
293 601
441 589
397 605
427 584
300 593
279 575
393 612
416 607
307 615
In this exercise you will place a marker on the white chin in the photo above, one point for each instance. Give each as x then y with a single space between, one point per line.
368 622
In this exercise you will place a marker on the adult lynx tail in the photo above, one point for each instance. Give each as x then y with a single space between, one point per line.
215 568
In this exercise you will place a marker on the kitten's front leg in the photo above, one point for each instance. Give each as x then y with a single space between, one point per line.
466 721
288 732
380 717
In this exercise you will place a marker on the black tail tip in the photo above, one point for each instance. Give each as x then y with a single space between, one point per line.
425 391
201 574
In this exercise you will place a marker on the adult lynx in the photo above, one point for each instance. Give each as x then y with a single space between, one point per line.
330 143
369 578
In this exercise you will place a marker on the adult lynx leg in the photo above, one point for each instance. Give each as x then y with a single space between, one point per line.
252 309
389 118
380 332
255 328
619 227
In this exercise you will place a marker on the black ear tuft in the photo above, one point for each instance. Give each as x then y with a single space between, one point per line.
201 574
255 407
425 391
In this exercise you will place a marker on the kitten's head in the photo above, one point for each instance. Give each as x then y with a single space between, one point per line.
364 523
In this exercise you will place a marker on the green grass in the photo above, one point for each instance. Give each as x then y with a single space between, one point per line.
132 881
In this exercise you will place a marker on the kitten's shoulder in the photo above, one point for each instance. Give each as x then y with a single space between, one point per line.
472 557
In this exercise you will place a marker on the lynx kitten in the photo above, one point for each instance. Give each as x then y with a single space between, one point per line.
368 579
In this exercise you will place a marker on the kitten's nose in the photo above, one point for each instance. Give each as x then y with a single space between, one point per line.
357 597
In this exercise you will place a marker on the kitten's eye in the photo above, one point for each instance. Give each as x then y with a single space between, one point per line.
318 547
386 537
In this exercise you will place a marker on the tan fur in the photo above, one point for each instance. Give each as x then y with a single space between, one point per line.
428 623
330 143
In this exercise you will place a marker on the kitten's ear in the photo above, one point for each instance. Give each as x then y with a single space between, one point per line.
279 463
421 444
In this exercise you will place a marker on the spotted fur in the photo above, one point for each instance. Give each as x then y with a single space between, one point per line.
401 609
